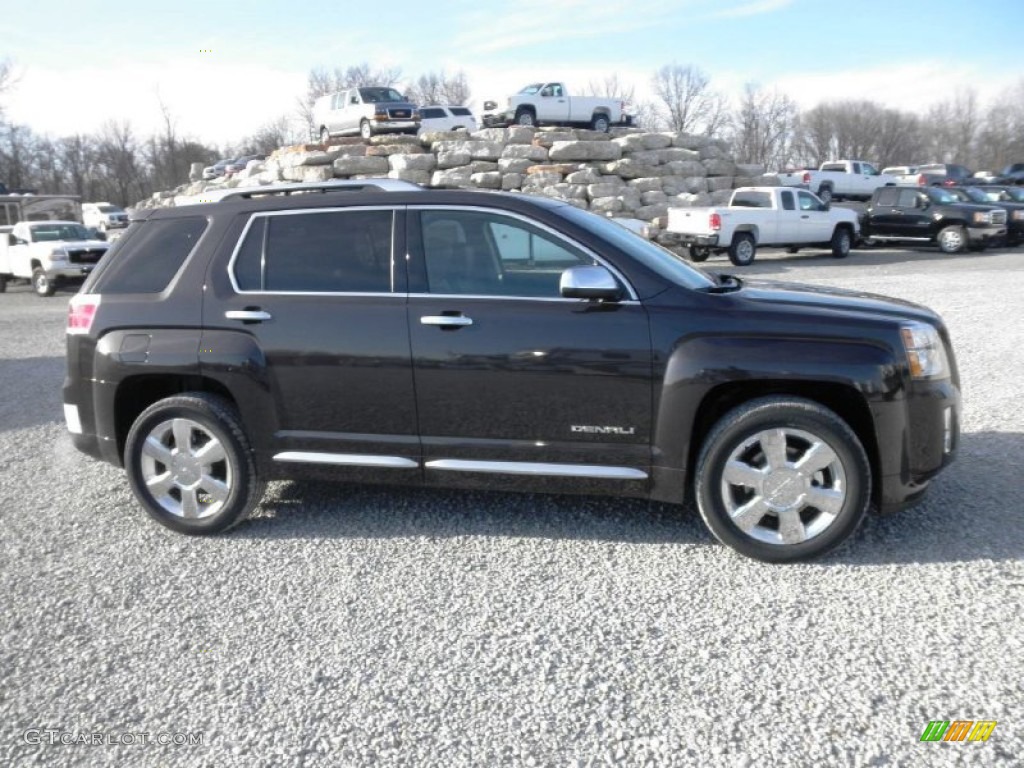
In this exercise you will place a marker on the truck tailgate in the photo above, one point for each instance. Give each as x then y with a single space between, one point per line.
695 221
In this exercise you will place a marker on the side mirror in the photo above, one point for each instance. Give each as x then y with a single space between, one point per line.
489 105
589 282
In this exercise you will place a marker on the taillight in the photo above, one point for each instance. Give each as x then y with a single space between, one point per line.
715 222
807 177
81 312
949 183
922 181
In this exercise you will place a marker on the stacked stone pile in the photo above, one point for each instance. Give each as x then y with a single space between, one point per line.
623 173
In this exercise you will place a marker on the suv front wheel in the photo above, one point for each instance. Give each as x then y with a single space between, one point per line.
782 479
190 465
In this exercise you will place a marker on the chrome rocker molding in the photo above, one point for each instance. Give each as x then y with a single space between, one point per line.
348 459
537 468
464 465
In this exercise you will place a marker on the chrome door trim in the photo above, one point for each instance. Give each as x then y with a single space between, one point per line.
346 459
537 468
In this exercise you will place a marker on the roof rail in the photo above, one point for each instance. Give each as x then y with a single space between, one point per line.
338 185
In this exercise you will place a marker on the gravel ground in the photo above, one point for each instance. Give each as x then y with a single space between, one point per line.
361 626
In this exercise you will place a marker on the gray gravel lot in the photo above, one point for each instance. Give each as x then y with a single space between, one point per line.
362 626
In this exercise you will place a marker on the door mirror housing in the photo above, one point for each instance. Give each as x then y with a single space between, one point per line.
589 282
489 105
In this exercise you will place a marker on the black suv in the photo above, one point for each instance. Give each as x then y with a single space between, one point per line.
380 332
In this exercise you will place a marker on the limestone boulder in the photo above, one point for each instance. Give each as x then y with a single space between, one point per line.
308 173
584 176
486 180
585 150
604 189
519 134
719 183
386 150
452 159
409 174
749 169
392 138
606 205
405 162
452 178
350 166
514 165
511 181
719 166
686 168
524 151
653 184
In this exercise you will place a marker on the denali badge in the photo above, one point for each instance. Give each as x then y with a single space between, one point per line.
590 430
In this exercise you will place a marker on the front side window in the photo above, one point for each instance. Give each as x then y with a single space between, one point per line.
808 202
489 254
888 197
908 198
317 252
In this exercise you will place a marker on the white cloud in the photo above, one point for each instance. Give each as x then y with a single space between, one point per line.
755 8
210 100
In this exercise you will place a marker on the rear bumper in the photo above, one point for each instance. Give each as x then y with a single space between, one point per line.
708 241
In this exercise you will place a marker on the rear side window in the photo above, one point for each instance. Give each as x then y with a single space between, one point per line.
317 252
787 201
152 253
752 199
431 113
460 111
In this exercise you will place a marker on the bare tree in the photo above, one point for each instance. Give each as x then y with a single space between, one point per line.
1000 138
686 99
117 154
269 136
439 88
764 127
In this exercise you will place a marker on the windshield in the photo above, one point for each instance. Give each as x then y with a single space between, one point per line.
661 260
108 209
1015 193
975 194
531 89
51 232
377 95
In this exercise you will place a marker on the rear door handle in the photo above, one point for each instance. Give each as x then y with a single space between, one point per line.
805 216
247 315
446 321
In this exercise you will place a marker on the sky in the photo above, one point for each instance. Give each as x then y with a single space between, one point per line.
222 68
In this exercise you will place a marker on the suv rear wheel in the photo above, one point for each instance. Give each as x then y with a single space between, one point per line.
782 479
190 465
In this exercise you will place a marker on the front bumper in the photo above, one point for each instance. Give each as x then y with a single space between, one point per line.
918 437
985 235
394 126
70 271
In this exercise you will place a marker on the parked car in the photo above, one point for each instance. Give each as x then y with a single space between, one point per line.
1007 192
764 217
899 170
240 163
48 253
936 175
1014 209
364 112
838 180
217 170
932 215
439 117
983 177
551 104
104 216
532 346
1012 174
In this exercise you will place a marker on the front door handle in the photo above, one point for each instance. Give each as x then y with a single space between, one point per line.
247 315
446 321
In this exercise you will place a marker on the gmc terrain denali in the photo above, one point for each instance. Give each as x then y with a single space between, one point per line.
376 331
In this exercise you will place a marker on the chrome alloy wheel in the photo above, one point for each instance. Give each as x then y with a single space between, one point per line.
783 486
185 469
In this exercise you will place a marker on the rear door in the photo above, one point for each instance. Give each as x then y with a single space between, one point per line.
315 315
516 385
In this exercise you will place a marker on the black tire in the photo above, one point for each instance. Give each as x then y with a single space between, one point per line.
952 239
366 130
789 510
41 284
234 475
699 253
842 242
743 249
3 283
526 117
601 123
825 194
325 135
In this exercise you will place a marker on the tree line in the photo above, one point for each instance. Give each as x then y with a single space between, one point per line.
761 125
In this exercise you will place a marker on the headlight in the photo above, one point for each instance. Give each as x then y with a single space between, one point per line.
58 254
1018 215
981 217
926 354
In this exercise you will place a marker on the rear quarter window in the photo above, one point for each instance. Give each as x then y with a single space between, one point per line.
460 111
752 200
148 256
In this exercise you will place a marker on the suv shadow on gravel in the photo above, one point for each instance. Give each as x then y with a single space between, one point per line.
391 334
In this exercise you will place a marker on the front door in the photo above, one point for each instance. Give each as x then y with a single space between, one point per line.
815 223
515 385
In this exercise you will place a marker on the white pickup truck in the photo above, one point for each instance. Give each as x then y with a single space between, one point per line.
47 252
764 216
551 104
840 179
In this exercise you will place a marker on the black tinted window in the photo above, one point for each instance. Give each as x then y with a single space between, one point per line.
908 198
152 254
888 197
460 111
787 201
430 113
249 260
335 251
752 199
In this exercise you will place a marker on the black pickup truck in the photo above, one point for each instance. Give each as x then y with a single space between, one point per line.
380 332
934 216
